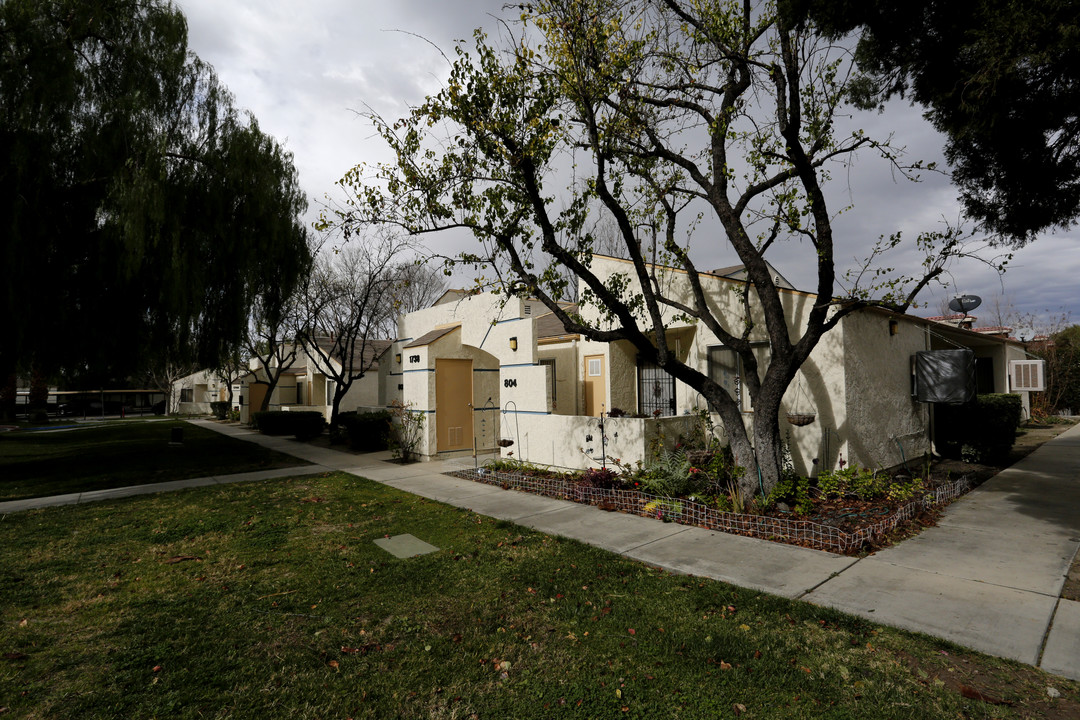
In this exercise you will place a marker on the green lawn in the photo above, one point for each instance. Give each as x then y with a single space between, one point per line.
270 599
36 463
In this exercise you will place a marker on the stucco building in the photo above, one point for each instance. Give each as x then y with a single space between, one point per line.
497 376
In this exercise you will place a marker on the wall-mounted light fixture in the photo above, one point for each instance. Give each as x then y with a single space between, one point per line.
894 327
397 358
513 344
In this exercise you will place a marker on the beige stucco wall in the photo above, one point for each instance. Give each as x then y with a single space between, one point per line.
564 441
882 416
567 376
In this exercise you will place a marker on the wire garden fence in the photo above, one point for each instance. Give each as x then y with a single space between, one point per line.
805 533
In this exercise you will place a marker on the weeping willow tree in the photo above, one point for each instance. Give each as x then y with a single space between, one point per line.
142 211
671 114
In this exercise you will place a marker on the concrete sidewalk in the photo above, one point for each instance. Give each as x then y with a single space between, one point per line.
988 577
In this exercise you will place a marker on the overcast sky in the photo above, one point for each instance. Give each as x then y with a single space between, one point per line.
305 68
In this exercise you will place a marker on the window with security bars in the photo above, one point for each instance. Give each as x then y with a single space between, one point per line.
656 390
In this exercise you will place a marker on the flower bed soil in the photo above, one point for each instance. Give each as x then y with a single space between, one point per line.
847 527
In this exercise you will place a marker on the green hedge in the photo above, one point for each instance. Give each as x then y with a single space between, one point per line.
982 430
366 431
220 409
305 425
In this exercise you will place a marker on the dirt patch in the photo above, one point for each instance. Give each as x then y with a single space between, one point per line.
1030 692
1071 589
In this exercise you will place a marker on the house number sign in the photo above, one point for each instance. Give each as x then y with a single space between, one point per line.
510 382
414 358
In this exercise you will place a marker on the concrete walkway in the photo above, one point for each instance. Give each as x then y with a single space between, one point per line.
987 577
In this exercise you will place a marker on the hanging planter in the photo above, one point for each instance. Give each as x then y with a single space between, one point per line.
505 442
801 419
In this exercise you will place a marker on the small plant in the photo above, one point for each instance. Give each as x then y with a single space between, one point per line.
669 474
602 478
407 427
793 490
513 465
904 490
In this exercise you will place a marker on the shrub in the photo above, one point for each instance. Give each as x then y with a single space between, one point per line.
979 431
408 430
308 424
220 409
340 432
366 432
304 425
602 478
671 474
794 490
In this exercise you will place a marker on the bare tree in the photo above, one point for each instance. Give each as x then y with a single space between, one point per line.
162 375
347 306
417 285
272 340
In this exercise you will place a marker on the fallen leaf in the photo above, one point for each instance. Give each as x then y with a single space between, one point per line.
725 665
972 694
333 664
632 631
182 558
22 623
157 668
739 708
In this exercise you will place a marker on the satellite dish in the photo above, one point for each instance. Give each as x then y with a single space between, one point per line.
965 303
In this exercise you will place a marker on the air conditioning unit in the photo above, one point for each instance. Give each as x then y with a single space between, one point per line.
1029 375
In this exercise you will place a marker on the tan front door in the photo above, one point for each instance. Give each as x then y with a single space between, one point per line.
256 393
595 385
453 404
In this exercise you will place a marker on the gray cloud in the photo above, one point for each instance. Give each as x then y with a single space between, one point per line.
305 70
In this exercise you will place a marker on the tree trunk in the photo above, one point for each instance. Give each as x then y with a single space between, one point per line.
271 385
8 393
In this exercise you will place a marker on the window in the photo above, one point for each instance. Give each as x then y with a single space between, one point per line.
595 367
550 362
186 395
656 390
725 368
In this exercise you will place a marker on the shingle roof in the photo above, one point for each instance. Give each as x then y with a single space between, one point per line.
549 325
428 338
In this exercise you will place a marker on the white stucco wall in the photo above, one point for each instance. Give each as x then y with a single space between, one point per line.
573 442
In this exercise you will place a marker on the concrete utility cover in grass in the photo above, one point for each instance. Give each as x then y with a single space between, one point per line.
405 546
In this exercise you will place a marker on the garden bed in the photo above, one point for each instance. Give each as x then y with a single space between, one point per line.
844 526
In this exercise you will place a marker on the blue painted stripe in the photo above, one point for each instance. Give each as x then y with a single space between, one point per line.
396 374
518 365
475 409
485 369
527 412
509 320
431 370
